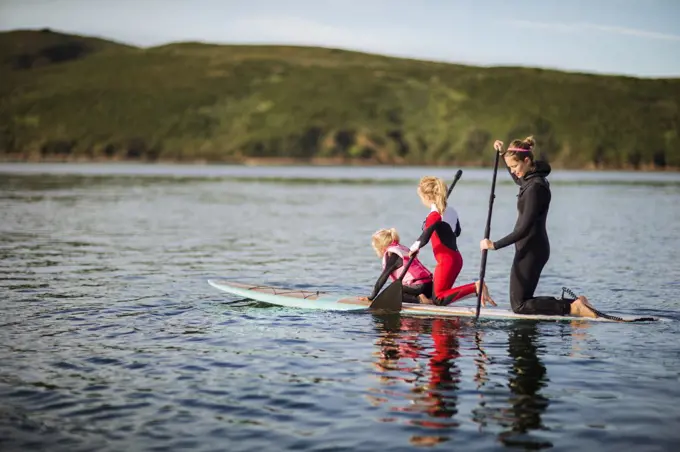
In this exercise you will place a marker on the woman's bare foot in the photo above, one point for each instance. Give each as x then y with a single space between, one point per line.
424 300
581 307
486 298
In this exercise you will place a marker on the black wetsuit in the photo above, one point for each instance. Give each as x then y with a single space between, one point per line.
532 247
409 293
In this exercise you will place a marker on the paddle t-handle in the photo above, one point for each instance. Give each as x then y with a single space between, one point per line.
459 173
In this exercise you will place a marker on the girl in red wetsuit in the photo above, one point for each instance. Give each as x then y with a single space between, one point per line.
442 226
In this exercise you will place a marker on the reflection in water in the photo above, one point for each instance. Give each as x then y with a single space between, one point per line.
434 387
578 337
433 392
482 361
444 374
527 376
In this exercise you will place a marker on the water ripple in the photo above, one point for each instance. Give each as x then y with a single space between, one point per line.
110 338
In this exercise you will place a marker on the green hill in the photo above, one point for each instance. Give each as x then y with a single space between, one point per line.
192 101
25 49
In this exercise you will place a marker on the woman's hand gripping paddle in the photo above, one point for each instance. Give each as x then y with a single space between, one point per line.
390 299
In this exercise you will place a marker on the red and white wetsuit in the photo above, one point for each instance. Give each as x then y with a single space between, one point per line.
449 260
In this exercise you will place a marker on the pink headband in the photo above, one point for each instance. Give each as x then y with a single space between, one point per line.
519 150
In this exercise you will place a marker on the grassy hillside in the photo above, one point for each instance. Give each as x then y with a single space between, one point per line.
25 49
192 101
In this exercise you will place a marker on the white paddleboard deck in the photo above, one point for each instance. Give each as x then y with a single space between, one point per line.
306 299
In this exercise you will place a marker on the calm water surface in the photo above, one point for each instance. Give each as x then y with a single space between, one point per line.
112 340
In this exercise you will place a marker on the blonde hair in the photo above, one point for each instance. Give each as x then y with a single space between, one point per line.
434 189
528 144
382 238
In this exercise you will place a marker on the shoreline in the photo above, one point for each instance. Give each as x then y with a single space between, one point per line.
312 162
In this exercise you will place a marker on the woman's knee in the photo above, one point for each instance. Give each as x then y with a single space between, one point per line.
518 306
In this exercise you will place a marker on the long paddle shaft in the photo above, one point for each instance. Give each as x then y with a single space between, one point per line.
408 264
487 233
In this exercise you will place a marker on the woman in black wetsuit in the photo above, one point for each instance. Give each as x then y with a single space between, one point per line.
532 247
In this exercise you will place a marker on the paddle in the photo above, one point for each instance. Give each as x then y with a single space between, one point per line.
487 233
459 173
390 299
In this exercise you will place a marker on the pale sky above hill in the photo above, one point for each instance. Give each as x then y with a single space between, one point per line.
632 37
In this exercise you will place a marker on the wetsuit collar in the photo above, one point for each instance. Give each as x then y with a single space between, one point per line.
541 169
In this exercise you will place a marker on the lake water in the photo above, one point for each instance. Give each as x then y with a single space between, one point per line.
112 340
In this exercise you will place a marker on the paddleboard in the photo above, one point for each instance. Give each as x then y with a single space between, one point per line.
307 299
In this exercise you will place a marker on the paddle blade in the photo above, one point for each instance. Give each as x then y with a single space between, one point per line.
389 300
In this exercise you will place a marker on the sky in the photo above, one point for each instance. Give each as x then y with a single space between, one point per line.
630 37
